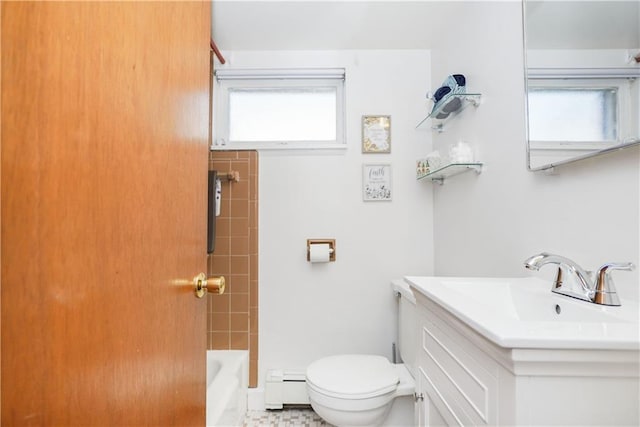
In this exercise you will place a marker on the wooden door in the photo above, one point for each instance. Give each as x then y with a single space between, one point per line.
103 176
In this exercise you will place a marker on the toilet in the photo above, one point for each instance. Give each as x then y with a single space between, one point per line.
368 390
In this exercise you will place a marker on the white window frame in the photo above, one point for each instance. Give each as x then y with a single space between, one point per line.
580 79
225 80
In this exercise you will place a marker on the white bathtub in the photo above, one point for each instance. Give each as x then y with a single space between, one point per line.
227 384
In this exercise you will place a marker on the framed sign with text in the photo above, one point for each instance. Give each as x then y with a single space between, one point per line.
376 182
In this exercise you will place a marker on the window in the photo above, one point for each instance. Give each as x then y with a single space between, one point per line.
578 113
573 114
279 109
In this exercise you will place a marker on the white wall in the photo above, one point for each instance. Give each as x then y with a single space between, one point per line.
479 225
487 225
311 310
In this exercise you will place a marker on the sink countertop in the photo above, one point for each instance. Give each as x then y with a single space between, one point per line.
524 313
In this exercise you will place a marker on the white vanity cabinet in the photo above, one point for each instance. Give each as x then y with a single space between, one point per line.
457 380
465 379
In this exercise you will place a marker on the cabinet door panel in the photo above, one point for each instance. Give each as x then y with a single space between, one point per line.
456 374
433 409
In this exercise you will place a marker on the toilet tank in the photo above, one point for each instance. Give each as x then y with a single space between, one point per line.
407 324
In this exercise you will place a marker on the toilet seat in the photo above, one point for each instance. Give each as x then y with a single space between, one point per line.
352 376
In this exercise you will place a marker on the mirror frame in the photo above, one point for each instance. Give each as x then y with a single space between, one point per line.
552 165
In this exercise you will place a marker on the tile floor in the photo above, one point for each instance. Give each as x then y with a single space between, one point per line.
284 418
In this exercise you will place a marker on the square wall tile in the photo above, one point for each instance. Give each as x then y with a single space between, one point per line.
231 323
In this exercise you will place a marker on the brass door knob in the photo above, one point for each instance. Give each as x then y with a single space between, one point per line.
212 284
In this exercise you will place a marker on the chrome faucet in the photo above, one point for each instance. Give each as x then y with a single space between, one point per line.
568 273
573 281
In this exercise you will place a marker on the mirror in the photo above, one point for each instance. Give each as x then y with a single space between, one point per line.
583 79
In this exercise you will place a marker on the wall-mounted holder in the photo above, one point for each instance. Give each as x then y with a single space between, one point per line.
449 170
332 249
231 176
439 120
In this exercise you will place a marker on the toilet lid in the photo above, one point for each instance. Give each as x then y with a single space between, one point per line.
353 375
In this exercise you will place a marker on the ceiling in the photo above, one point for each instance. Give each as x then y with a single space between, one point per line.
583 24
417 24
329 25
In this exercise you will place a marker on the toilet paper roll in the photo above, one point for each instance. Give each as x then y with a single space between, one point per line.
319 252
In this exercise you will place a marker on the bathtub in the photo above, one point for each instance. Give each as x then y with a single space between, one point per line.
227 384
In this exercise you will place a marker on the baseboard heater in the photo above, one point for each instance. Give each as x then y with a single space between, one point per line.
285 387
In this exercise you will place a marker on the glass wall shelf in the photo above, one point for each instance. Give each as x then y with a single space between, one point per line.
450 170
466 100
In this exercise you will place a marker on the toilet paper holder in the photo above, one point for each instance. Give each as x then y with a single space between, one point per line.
330 242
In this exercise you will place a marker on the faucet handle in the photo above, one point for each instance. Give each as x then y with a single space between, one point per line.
604 290
629 266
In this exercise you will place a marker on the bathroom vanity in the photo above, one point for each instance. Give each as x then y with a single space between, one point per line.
509 352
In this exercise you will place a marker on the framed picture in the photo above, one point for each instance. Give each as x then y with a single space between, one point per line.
376 134
376 182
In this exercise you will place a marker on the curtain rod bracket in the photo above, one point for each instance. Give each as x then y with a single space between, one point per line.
216 51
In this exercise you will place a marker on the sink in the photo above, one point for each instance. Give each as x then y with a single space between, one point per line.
524 313
508 351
